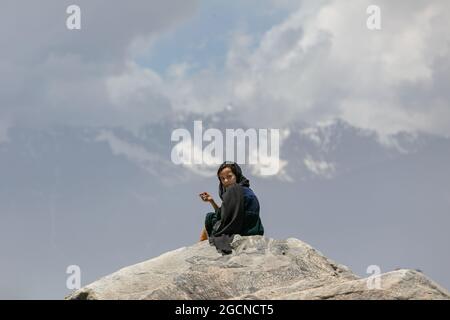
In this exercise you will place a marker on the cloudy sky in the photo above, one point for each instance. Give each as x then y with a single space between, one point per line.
270 61
130 64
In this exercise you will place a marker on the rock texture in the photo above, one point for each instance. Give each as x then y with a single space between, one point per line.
258 268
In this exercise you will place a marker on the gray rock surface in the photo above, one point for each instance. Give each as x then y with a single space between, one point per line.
258 268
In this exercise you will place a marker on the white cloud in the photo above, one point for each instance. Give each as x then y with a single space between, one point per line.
312 134
132 86
137 96
319 167
322 62
132 152
49 74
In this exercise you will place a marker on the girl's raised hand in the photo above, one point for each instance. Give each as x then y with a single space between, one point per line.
206 197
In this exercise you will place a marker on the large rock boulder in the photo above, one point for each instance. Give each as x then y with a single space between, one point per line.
258 268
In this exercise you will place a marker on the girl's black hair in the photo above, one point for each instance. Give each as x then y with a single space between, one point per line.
236 169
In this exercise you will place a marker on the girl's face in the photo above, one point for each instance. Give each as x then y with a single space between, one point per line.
227 177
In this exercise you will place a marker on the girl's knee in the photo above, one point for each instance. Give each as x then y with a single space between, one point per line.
210 219
210 215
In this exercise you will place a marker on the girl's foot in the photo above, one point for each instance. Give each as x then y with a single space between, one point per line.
204 235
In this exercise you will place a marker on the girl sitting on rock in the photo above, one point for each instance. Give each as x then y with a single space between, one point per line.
239 213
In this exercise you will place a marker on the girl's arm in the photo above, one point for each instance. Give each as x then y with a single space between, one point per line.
214 204
208 198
